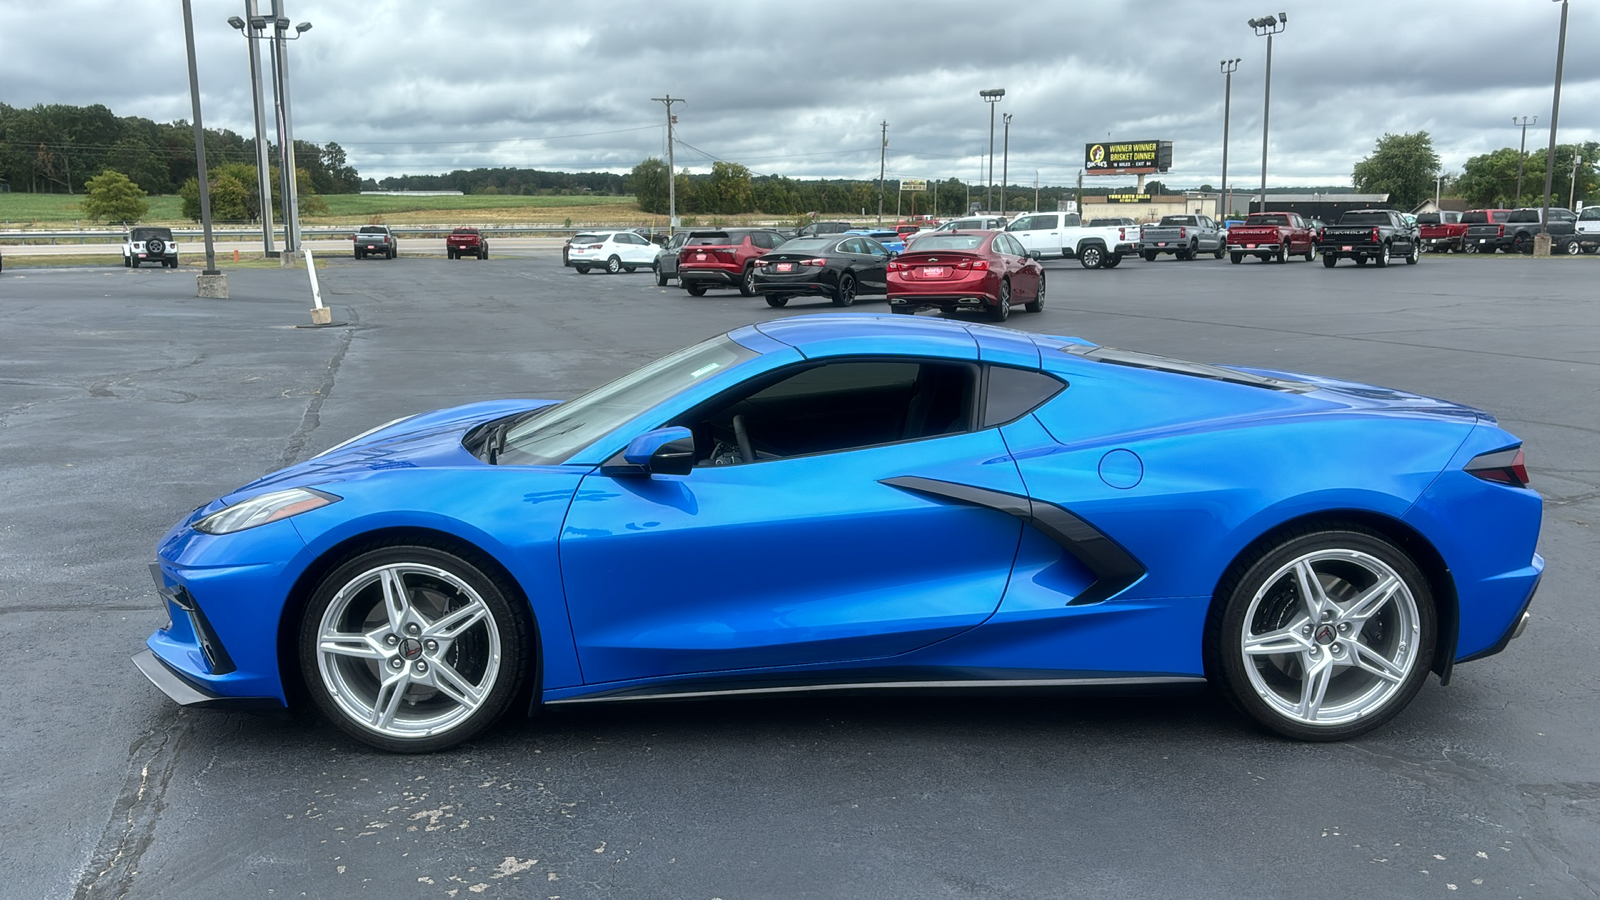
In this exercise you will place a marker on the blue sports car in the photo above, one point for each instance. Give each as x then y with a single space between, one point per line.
852 503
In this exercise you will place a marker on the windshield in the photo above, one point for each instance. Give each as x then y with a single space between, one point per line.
1364 218
553 437
1259 219
372 229
948 242
1428 219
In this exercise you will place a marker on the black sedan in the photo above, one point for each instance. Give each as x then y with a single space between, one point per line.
839 267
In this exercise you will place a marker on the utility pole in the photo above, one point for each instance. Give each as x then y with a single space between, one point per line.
1224 197
883 155
1035 190
211 283
1267 26
1572 184
1005 165
672 172
252 14
1541 244
1522 150
991 97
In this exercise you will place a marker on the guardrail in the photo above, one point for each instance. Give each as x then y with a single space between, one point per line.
245 234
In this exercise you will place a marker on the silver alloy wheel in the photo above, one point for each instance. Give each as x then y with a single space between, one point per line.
1331 637
408 650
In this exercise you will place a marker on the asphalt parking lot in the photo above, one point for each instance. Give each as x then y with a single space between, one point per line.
125 401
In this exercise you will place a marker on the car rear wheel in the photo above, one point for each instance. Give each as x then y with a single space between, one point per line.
1038 297
1522 243
1112 261
1325 635
845 293
1001 310
630 269
777 301
661 277
413 649
1383 256
1092 256
1572 248
1329 260
613 266
1282 255
449 254
582 270
747 285
1218 253
1149 256
695 290
1236 258
483 253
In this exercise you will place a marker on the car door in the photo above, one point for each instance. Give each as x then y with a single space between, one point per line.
797 559
1024 275
873 267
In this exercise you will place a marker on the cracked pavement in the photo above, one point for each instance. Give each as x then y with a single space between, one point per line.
126 401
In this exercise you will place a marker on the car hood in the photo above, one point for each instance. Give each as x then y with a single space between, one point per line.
427 440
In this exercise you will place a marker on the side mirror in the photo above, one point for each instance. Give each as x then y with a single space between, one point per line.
664 451
1035 254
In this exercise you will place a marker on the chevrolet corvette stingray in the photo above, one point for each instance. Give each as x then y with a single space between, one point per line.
865 503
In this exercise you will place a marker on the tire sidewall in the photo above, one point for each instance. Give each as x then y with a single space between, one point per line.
510 620
1227 657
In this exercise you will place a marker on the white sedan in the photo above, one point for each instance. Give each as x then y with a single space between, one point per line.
614 251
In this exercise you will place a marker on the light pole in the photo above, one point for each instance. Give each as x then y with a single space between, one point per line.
1224 198
210 272
991 97
1572 183
1541 244
672 173
1267 26
1522 150
263 165
1005 164
288 191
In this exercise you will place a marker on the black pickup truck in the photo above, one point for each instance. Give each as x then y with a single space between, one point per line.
1515 234
1376 234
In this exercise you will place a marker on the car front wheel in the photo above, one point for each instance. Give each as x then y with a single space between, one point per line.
413 649
661 277
1325 635
1038 297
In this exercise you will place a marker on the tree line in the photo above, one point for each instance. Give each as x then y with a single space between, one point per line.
57 148
1405 167
504 181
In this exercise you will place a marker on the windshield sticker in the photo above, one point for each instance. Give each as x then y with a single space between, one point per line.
705 369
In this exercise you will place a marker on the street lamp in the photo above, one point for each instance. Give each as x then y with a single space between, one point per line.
1267 26
288 190
1005 164
1522 150
1542 242
263 168
1224 198
991 97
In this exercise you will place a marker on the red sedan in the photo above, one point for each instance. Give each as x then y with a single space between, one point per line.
966 270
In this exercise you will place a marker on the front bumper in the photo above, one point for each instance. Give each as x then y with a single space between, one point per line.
185 693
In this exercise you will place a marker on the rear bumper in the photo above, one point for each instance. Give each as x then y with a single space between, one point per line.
777 284
707 276
1351 250
1254 248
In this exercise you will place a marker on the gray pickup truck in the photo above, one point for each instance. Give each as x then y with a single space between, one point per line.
1186 237
1516 233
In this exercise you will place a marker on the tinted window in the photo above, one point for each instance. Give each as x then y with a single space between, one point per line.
145 234
1026 224
1589 214
1428 219
465 231
1365 218
949 242
373 229
1523 215
1270 219
716 239
1476 217
808 245
588 239
1013 393
1561 215
1180 220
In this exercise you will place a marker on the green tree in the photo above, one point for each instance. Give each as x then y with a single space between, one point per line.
1402 166
1490 180
728 189
113 198
648 182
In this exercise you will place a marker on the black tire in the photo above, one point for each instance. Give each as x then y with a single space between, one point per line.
902 310
747 284
449 254
1329 260
1150 256
1571 248
1522 243
1112 261
127 262
613 266
1470 248
490 656
357 254
1591 248
1218 253
1282 255
1038 297
483 253
661 277
1311 253
1376 662
1001 310
582 270
844 293
630 269
1092 256
1414 255
172 264
695 290
1236 258
1383 257
777 301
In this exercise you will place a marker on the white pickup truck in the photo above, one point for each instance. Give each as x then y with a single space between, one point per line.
1101 244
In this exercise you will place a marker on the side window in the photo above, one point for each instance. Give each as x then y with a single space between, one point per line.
836 407
876 249
1012 393
1023 224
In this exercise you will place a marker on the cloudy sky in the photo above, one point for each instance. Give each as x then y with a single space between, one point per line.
799 89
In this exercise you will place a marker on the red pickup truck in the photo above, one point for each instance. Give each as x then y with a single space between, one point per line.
466 242
1442 232
1274 236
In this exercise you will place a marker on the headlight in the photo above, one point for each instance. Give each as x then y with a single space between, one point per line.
370 431
263 509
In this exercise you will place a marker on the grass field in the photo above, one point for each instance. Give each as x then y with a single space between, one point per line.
18 210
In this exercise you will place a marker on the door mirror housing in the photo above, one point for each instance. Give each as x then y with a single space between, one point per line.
664 451
1035 254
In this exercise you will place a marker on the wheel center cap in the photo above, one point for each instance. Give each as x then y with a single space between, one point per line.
1324 635
410 648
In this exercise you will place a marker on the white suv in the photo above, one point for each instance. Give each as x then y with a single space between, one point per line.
615 251
146 244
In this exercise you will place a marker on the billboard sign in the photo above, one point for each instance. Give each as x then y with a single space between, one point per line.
913 184
1127 157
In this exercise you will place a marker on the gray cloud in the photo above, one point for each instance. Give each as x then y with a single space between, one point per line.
799 90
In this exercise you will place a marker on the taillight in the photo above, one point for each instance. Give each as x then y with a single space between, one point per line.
818 262
898 267
1322 235
1122 234
974 265
1501 466
1375 237
1183 232
1500 231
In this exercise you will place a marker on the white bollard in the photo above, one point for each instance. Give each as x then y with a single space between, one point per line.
320 315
